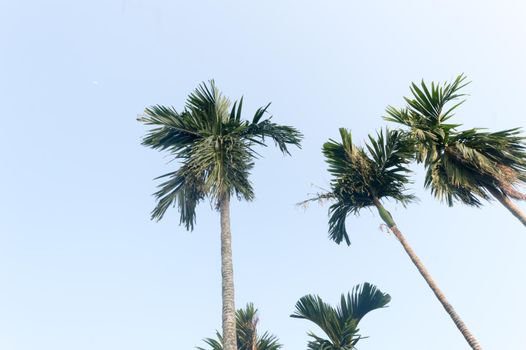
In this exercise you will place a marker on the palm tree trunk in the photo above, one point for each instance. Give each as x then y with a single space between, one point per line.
440 296
388 219
510 205
227 274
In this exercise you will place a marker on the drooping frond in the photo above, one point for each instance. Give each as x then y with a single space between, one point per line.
359 176
489 161
340 324
506 147
338 213
437 179
214 146
183 189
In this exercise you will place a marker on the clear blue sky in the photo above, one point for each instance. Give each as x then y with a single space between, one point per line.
82 266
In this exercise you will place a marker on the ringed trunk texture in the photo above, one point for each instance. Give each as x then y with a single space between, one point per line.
510 205
227 274
386 216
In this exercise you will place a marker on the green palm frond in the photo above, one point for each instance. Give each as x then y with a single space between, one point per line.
268 342
340 324
438 181
338 213
362 300
314 309
214 344
214 146
247 335
463 166
506 147
246 327
427 106
183 188
359 176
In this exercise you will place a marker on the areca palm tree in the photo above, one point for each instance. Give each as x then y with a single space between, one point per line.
340 324
216 151
247 336
466 166
363 178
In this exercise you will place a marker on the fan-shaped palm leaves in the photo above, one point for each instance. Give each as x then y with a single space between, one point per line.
363 178
464 166
247 335
215 148
340 324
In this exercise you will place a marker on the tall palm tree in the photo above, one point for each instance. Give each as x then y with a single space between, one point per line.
363 178
464 166
247 336
340 324
215 148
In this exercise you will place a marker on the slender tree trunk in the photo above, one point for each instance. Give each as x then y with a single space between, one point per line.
439 294
227 274
388 219
510 205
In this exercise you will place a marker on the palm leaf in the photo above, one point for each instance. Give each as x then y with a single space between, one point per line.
340 324
247 335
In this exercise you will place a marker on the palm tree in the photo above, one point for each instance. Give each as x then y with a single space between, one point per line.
362 178
215 148
340 324
464 166
247 336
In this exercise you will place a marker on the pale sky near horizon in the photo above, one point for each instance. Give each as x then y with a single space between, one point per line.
82 266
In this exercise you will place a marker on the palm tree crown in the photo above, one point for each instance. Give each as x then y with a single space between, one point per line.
461 165
247 335
340 324
214 146
362 176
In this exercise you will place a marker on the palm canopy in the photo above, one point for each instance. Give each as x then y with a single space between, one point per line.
340 324
461 165
247 335
215 147
362 176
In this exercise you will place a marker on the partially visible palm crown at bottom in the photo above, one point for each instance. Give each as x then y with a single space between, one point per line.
247 335
340 324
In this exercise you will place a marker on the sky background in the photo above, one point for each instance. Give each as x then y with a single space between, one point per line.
83 267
